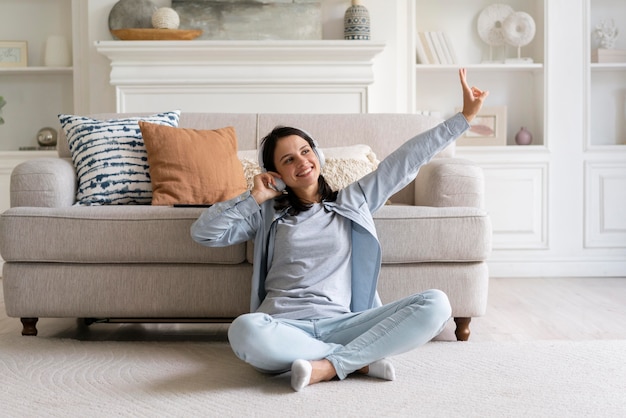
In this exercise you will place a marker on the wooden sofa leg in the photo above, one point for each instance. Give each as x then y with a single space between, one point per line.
462 331
29 326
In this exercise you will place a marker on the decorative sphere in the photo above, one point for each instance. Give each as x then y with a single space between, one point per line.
523 137
47 137
165 18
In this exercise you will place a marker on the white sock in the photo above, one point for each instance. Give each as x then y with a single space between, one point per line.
300 374
382 369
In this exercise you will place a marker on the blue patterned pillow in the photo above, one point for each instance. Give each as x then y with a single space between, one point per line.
111 159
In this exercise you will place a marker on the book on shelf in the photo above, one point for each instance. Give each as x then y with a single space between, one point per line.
420 49
451 53
436 43
424 45
604 56
434 47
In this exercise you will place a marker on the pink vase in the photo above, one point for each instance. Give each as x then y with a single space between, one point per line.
523 137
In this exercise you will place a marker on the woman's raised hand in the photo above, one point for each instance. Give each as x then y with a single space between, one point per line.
473 97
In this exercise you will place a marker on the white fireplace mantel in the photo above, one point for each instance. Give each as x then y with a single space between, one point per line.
242 76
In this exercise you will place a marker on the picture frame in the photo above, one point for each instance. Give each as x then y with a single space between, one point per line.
487 128
13 54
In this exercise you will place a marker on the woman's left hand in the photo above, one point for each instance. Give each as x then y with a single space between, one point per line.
473 97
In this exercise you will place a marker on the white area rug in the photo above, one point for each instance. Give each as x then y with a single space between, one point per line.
68 378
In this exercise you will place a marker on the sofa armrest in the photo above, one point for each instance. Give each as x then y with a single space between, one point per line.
44 182
450 182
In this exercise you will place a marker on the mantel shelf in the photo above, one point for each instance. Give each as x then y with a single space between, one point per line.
240 51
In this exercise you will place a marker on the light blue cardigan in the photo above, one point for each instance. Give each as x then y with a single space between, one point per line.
241 219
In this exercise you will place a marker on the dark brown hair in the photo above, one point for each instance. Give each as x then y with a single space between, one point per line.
289 199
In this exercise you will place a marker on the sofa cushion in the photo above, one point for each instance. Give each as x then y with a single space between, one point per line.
107 234
192 166
421 234
110 158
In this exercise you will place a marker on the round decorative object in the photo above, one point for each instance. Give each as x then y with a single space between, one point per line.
165 18
490 23
523 137
47 137
518 29
356 22
131 14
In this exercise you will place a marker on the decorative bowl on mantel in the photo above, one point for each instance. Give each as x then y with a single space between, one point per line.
150 34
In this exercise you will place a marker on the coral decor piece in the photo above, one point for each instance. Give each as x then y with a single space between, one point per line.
606 33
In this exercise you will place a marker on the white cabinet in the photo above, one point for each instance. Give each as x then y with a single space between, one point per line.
605 142
606 101
556 205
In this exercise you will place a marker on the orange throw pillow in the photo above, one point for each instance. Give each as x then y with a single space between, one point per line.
190 166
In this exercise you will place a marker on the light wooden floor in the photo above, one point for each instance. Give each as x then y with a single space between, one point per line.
519 309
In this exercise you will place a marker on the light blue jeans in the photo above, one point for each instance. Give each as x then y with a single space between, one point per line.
350 341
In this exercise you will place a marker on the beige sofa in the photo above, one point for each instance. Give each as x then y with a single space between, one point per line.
138 262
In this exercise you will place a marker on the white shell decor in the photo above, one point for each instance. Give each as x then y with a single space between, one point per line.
500 24
606 32
165 18
518 29
490 23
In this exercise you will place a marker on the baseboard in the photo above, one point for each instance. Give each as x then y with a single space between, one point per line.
557 268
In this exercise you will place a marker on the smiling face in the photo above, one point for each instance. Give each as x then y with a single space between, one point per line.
297 163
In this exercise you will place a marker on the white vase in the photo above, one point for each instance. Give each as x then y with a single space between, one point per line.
57 52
